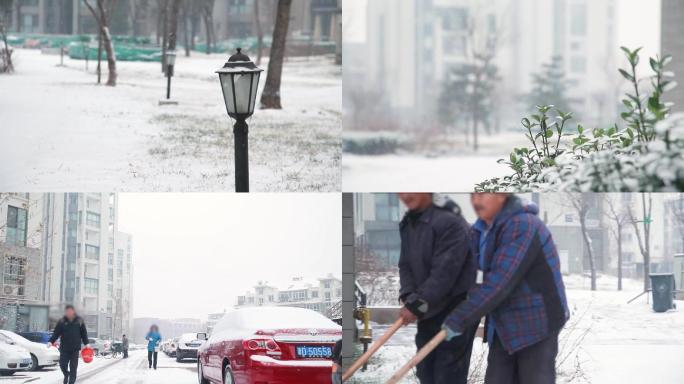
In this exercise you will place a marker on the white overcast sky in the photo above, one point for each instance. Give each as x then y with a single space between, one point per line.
639 23
193 254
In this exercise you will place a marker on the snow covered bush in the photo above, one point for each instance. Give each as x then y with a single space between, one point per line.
645 155
373 143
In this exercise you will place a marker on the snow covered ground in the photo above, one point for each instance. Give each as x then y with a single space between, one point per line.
606 341
59 131
133 370
392 173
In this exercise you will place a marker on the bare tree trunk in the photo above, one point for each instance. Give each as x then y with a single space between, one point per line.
186 16
173 24
619 260
270 98
165 33
99 57
106 36
259 33
17 4
645 240
587 241
208 17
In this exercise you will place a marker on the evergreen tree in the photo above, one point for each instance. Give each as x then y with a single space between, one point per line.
550 87
468 93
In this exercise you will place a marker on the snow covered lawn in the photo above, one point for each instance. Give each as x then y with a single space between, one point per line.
606 341
59 131
393 173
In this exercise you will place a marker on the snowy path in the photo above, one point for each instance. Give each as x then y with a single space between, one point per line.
394 173
59 131
133 370
606 341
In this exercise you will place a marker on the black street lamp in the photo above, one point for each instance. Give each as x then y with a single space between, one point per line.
170 61
239 81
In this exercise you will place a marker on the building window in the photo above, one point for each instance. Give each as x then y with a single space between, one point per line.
327 297
14 275
326 284
578 64
386 206
92 252
578 19
93 219
16 226
314 294
90 286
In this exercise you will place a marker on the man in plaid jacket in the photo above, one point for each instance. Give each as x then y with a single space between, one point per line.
519 289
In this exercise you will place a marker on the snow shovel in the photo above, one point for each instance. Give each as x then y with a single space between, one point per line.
373 348
418 357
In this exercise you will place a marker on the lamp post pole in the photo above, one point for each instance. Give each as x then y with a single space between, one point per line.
239 79
168 81
240 133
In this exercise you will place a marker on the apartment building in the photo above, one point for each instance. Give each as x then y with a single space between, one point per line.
22 305
318 294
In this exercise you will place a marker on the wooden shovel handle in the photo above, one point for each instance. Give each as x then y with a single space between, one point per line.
373 348
429 347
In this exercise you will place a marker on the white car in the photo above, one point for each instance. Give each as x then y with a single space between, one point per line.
188 344
42 355
13 358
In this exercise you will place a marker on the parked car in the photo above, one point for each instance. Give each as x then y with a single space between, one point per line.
275 345
169 347
99 346
42 355
13 358
188 344
37 337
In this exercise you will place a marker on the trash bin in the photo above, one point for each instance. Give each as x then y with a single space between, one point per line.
663 286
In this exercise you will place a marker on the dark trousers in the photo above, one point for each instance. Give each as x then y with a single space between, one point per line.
449 362
125 352
152 359
535 364
68 363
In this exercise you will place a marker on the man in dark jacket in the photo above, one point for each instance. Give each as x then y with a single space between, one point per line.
521 292
436 269
124 346
71 332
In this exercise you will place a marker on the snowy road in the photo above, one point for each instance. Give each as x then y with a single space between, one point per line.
133 370
59 131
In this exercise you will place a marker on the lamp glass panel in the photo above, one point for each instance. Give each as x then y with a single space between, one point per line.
243 84
227 85
255 87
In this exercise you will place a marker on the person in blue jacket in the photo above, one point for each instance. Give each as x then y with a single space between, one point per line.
153 341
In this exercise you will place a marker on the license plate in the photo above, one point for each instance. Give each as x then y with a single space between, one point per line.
26 361
313 351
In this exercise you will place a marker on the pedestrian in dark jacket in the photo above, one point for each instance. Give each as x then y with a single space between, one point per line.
124 346
521 292
436 270
72 334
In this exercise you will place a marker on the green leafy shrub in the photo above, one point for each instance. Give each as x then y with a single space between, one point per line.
645 155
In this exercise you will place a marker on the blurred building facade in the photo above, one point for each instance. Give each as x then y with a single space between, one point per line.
409 48
315 20
672 24
377 216
74 254
318 294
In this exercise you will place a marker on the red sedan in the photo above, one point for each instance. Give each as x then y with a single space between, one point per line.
269 345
